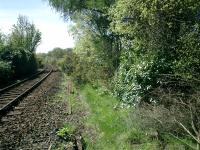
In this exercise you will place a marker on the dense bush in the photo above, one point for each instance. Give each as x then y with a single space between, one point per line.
157 39
82 68
5 71
17 50
24 65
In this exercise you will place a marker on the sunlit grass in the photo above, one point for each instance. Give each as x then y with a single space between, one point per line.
107 126
109 122
114 128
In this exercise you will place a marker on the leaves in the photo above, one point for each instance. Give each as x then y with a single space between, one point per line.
25 35
17 50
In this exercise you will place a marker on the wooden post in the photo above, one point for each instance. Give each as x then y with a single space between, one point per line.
69 86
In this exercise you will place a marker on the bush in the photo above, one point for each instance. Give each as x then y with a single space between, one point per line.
66 132
136 137
5 71
24 64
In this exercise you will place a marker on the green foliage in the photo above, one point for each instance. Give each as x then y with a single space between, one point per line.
111 125
187 64
66 132
68 63
24 35
2 39
136 136
156 37
22 63
92 31
81 66
55 57
17 50
5 71
139 41
148 49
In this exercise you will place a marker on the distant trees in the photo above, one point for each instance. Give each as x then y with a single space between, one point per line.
17 50
53 57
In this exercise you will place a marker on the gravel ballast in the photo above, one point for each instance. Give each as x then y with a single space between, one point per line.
34 122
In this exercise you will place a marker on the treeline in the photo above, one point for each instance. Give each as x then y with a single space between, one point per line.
80 67
147 52
54 58
17 51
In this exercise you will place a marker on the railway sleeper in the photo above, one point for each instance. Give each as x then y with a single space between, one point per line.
5 101
16 90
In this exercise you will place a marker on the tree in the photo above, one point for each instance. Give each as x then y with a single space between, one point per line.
156 39
54 56
91 18
17 50
2 39
152 47
23 41
25 35
159 63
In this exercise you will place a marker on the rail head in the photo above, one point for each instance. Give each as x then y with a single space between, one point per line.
18 83
12 103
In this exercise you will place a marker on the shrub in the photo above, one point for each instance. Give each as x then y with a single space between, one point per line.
66 132
5 71
135 136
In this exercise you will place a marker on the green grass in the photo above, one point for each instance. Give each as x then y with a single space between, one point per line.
110 123
106 125
66 131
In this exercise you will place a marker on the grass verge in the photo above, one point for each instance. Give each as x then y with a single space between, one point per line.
103 123
108 121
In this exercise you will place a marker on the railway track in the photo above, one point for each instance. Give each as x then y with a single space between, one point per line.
11 95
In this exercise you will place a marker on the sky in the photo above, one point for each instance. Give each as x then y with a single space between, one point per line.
55 31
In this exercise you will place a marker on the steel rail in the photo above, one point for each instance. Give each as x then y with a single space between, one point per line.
18 83
16 100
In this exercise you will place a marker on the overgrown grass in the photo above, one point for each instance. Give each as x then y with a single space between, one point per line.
114 129
107 125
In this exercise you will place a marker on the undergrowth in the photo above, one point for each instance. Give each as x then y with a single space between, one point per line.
112 124
108 124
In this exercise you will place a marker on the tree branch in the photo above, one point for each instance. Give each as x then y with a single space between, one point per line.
197 140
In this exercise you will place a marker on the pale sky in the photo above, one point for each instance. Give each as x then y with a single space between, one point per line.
54 30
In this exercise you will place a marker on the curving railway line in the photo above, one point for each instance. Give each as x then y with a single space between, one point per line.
11 95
